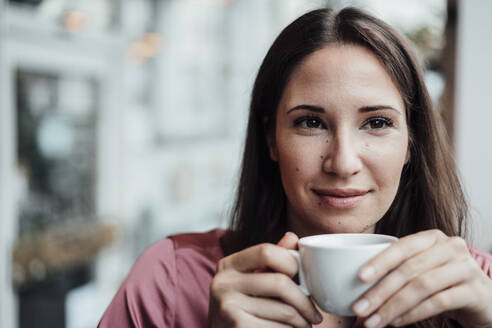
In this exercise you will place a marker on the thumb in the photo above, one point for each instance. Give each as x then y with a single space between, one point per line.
289 240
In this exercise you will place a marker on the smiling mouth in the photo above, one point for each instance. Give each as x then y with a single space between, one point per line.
341 198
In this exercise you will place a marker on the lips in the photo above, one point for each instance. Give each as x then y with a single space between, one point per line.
341 198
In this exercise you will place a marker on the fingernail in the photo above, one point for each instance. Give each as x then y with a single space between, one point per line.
396 321
360 306
367 273
373 321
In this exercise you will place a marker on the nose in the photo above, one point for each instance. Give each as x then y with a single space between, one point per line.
343 156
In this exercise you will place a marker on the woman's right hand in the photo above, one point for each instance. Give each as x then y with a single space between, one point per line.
254 288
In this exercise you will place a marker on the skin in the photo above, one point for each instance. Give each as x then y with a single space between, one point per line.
342 146
426 274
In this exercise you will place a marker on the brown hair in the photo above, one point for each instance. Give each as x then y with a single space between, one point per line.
429 195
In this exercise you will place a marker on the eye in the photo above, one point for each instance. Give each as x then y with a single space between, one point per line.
309 122
378 123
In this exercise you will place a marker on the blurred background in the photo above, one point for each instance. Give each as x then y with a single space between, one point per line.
121 122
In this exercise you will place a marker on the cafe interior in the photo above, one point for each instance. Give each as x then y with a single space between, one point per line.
122 122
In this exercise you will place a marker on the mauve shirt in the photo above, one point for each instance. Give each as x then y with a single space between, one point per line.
169 284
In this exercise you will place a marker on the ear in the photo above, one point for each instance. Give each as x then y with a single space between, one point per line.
270 140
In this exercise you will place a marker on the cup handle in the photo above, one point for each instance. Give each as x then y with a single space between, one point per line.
302 282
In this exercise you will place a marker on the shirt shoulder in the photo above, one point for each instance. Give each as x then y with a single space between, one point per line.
146 298
207 243
196 257
155 292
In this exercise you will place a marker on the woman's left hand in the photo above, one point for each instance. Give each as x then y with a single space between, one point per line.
422 275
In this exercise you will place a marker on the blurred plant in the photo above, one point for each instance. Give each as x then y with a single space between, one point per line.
62 248
429 42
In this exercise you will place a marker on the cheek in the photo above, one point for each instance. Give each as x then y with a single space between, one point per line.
299 160
386 161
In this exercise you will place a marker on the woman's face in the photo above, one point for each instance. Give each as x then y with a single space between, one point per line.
341 141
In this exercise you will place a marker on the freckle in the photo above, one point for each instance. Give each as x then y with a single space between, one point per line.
321 157
339 322
319 204
297 169
339 222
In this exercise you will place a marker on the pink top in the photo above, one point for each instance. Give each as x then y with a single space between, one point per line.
169 284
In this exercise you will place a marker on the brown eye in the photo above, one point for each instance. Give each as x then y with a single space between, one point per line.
309 122
313 123
379 123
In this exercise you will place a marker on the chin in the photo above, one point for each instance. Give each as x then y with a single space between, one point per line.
342 226
308 224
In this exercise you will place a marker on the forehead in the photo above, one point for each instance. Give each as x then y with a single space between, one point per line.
342 72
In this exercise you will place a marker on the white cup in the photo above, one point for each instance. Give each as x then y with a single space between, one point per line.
329 266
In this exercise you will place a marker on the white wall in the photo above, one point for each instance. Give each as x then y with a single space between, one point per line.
7 226
474 113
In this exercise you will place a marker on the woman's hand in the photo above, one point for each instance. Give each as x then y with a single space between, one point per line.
244 294
423 275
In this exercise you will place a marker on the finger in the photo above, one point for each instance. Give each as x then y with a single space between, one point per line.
447 300
449 250
272 310
289 240
250 320
278 286
398 252
421 288
262 256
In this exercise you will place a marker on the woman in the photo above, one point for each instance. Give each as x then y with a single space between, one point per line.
341 137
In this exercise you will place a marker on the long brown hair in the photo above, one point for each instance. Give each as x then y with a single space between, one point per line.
429 196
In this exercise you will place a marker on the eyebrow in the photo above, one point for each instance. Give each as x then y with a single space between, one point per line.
367 109
311 108
364 109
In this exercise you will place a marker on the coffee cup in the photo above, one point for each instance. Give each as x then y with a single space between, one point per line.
329 266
